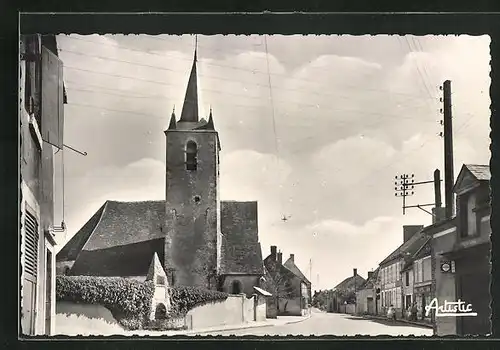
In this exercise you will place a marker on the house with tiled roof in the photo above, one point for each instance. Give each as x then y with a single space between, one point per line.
286 285
344 293
305 283
199 239
366 295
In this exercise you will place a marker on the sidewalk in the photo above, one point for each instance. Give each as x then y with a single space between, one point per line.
280 321
416 323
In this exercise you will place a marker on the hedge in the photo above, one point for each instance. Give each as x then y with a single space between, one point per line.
129 300
185 298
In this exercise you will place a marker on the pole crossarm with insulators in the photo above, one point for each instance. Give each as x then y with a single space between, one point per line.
405 184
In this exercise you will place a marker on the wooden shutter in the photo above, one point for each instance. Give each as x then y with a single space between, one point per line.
31 245
52 98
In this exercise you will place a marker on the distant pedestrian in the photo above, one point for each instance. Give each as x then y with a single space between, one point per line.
391 313
414 311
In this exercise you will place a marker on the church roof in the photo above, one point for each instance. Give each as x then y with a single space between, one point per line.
241 251
115 224
241 258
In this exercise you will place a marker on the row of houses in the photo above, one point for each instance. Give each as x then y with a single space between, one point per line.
447 261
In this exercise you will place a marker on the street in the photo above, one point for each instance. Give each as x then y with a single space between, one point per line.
322 323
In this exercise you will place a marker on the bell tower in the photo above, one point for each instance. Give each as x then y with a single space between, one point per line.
192 194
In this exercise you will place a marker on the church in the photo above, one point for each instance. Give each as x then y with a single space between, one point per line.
199 239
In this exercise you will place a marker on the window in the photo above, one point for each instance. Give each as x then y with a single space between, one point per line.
191 156
468 218
407 278
426 267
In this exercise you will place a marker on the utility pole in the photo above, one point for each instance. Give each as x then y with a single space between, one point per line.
449 177
404 187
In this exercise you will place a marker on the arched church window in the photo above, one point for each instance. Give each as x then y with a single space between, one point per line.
236 287
191 156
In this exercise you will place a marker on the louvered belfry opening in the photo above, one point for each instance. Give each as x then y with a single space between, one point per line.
31 245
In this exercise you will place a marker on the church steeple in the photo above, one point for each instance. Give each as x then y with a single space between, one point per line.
190 107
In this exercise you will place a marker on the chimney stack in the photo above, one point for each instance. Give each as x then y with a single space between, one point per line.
355 272
410 230
292 257
438 213
280 258
370 274
273 252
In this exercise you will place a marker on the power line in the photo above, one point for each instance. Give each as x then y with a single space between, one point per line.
273 116
381 115
418 69
254 71
208 76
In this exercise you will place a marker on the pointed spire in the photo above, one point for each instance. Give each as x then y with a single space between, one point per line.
210 123
173 123
190 107
155 269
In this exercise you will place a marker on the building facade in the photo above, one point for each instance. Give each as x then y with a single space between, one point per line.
366 295
41 115
469 256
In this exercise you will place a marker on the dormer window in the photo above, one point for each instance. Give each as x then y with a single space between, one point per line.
191 156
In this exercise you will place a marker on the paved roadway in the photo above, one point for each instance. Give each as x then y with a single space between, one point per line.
321 323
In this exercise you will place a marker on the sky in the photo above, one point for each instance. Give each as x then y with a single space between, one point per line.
315 128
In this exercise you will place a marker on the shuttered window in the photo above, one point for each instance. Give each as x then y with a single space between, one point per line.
31 244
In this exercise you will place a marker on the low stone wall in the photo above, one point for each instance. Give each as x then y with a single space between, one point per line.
85 319
236 309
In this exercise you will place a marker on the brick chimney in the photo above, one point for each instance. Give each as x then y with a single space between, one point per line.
370 274
354 272
410 230
438 214
280 258
273 252
292 257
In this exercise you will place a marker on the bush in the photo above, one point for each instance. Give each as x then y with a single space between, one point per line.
128 300
186 298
